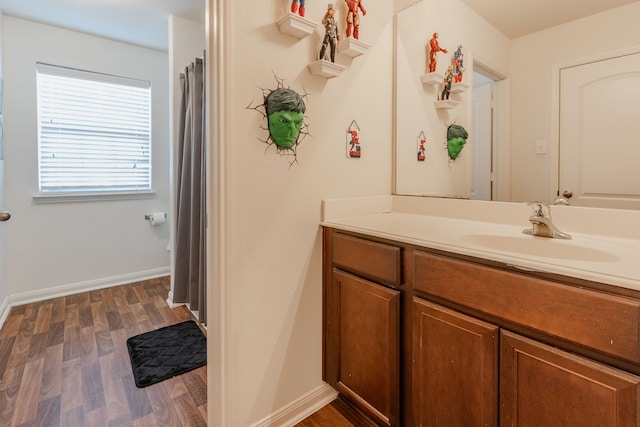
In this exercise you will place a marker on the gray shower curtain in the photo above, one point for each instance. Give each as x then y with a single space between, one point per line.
190 235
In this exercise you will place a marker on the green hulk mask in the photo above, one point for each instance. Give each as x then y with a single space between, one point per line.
284 127
456 139
285 111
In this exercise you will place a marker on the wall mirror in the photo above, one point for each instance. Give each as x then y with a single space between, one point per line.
536 145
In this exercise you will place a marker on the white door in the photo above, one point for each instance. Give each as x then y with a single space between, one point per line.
4 216
482 137
599 157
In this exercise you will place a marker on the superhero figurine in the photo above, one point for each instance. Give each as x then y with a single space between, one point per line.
331 37
353 19
448 78
458 58
294 7
435 48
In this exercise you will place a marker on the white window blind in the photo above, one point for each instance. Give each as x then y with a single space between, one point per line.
94 132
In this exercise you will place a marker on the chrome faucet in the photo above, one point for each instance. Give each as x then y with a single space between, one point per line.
542 224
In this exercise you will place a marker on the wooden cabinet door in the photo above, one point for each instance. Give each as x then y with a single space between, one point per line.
455 365
367 325
544 386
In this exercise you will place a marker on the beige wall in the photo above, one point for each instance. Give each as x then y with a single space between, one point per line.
55 248
534 59
271 261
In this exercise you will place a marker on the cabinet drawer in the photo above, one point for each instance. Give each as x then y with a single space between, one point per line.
369 259
603 322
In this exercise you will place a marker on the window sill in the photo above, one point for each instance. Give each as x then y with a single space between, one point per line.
91 197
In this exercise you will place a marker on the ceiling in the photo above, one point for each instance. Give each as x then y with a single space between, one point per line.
145 22
140 22
516 18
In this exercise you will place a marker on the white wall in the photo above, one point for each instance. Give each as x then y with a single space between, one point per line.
59 247
533 60
271 320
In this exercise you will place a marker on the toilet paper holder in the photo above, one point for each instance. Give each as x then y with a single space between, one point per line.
149 216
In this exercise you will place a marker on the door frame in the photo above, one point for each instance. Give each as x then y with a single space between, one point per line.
556 69
501 130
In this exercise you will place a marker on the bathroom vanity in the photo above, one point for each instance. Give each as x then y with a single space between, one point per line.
425 325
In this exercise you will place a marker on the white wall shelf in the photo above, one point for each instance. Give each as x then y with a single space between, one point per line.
352 47
326 68
459 87
296 26
445 104
432 78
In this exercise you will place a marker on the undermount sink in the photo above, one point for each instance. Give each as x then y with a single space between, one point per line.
540 247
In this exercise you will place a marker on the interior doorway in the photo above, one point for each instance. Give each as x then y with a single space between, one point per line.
482 137
491 133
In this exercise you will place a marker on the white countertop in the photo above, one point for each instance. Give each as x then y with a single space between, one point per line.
609 259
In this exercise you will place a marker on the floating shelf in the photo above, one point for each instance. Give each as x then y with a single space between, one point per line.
432 79
459 87
352 47
296 26
326 68
446 104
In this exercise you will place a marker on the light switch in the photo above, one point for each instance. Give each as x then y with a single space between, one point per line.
541 146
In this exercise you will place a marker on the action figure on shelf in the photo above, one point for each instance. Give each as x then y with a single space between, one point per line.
458 58
285 112
353 18
433 51
331 35
294 7
448 78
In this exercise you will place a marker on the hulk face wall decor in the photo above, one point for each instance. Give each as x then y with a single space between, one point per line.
456 139
283 108
285 113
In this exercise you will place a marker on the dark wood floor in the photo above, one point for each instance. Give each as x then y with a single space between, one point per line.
64 362
336 414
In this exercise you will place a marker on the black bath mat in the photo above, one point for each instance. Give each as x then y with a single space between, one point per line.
166 352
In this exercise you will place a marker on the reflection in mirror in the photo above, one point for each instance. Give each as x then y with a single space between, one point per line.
417 109
530 131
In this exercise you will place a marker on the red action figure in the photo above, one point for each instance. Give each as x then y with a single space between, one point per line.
435 48
353 19
294 7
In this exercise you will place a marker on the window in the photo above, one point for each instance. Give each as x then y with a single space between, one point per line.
94 132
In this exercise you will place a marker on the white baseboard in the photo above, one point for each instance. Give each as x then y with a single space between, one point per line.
301 408
5 307
74 288
170 302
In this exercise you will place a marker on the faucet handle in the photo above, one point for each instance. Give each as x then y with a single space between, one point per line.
540 208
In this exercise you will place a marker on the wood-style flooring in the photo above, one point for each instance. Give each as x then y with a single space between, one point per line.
64 362
335 414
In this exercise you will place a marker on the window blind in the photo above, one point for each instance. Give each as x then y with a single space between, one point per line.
94 131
